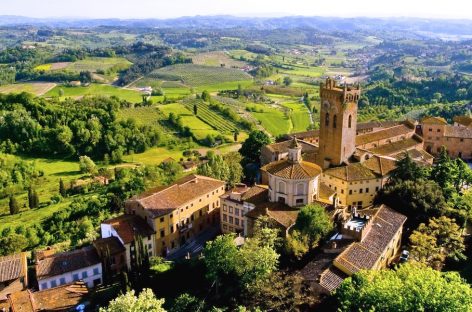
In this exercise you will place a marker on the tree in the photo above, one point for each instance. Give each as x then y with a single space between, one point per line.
187 303
442 238
206 96
195 109
287 81
12 243
251 147
171 170
216 167
444 173
235 135
33 198
62 188
145 302
312 224
220 257
87 165
235 173
13 205
412 287
407 170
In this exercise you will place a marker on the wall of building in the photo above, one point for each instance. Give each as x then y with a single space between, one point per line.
294 192
91 275
434 138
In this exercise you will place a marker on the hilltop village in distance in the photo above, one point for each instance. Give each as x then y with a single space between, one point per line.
170 169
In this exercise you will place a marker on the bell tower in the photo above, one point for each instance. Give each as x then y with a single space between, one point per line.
338 123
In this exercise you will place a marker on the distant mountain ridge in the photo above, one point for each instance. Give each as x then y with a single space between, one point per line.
434 26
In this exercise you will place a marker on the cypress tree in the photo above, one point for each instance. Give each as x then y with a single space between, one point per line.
62 189
30 198
35 199
13 204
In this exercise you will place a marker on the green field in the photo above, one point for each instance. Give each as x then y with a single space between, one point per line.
272 119
216 58
299 116
46 186
199 75
142 115
96 89
91 64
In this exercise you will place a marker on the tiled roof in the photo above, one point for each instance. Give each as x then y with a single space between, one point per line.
394 148
164 200
306 134
12 267
376 124
331 278
282 147
281 213
62 298
466 121
129 226
112 244
351 172
383 134
363 255
419 155
66 262
434 121
256 194
380 165
325 191
458 132
293 170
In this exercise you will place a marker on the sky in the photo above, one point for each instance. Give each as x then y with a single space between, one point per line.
455 9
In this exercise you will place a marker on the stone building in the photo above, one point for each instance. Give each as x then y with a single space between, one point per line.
13 274
457 138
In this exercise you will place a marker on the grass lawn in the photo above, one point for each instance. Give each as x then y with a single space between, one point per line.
36 88
305 71
142 115
216 58
93 64
299 116
272 119
46 186
96 89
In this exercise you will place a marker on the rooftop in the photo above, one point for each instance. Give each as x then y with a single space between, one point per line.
129 226
283 147
293 170
281 213
394 148
351 172
12 267
458 132
434 121
465 121
164 200
384 134
112 244
380 165
64 262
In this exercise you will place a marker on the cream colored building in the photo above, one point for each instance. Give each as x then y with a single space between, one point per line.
293 181
179 212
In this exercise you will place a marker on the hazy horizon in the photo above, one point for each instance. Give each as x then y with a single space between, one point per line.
145 9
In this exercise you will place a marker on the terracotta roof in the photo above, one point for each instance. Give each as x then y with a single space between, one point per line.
164 200
325 191
363 255
282 147
458 132
292 170
383 134
351 172
331 278
394 148
112 244
466 121
62 298
256 194
434 121
418 155
281 213
306 134
12 267
66 262
376 124
380 165
129 226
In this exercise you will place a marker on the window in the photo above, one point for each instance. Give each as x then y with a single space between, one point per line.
334 121
327 119
376 188
172 229
191 218
360 191
162 220
84 274
62 281
350 192
282 187
200 212
230 209
349 121
367 190
225 227
236 211
342 191
438 130
150 246
53 283
162 233
225 218
75 276
224 207
96 271
170 216
44 285
236 221
230 219
300 188
299 201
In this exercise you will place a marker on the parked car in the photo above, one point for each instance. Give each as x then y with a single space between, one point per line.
404 256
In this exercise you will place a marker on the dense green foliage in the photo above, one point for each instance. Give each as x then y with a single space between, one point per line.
408 288
88 126
16 175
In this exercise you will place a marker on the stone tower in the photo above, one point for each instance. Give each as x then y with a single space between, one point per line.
338 123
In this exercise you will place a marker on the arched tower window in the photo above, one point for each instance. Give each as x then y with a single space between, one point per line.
282 187
334 121
349 121
300 189
327 119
